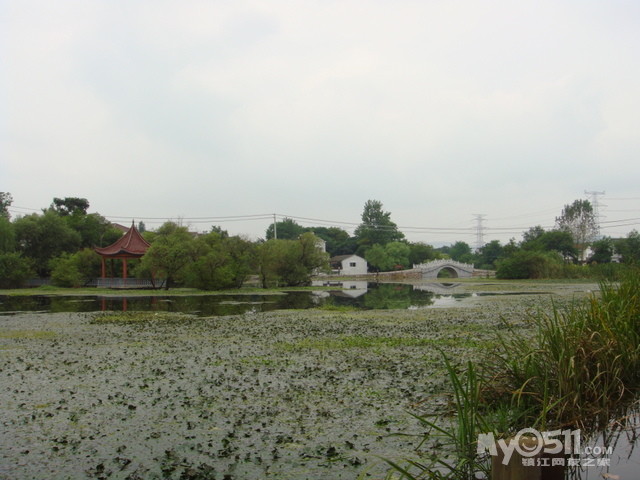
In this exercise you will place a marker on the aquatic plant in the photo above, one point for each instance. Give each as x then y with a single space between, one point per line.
577 366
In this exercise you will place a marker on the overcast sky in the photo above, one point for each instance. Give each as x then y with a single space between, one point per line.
439 109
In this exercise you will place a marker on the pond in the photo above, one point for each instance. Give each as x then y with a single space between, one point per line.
360 295
298 394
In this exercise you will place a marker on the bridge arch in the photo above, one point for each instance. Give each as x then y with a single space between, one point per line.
456 269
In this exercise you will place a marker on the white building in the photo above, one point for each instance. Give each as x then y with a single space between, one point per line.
348 265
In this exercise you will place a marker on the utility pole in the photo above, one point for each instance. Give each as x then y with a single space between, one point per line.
275 228
479 230
596 208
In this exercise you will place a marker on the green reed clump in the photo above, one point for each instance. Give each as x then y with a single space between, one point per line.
578 366
579 363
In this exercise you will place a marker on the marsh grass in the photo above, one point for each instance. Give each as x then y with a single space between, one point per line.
579 363
577 366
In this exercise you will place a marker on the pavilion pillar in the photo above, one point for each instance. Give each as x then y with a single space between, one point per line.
124 268
104 267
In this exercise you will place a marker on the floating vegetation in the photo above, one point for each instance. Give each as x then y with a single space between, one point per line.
133 317
302 394
15 334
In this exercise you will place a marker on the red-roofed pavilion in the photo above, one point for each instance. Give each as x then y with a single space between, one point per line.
130 245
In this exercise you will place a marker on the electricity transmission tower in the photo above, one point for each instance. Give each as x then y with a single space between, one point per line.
593 195
479 230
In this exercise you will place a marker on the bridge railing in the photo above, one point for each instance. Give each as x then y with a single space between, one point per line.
442 262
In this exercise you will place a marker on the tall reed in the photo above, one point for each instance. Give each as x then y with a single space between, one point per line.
577 367
579 363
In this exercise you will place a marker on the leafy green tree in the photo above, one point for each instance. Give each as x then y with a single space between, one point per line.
75 270
286 229
338 241
70 206
602 251
14 270
559 241
43 237
399 254
5 202
392 256
461 252
376 227
489 254
420 253
94 229
553 240
221 263
172 250
65 272
532 234
629 248
290 262
377 258
7 236
579 219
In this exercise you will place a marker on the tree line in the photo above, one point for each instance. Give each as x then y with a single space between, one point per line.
58 243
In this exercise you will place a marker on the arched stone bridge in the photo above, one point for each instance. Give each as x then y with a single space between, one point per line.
455 269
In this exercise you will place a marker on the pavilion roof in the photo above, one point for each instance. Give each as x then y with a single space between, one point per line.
131 244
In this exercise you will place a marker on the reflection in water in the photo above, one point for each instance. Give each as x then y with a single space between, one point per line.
353 294
612 454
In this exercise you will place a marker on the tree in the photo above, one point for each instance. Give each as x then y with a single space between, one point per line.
222 262
377 258
602 251
290 262
376 227
43 237
338 241
579 220
14 270
75 270
7 236
392 256
489 254
554 240
65 272
532 234
286 229
629 248
421 252
559 241
172 250
70 206
5 202
461 252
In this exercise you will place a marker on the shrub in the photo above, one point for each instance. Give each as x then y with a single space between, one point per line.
65 272
14 270
530 264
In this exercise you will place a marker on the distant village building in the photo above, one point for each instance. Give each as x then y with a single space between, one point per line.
348 265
